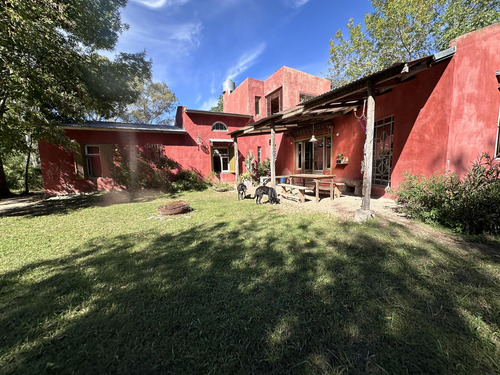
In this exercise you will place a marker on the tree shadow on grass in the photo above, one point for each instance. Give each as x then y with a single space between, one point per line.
249 297
67 204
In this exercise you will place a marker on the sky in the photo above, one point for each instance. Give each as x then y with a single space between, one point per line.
195 45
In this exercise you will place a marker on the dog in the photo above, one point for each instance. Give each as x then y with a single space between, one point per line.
242 191
269 191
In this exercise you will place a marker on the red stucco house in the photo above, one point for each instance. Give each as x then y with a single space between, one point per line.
434 114
198 141
437 113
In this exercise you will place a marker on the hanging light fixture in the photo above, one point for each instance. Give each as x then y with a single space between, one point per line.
313 138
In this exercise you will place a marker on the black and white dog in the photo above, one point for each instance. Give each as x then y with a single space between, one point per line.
242 191
269 191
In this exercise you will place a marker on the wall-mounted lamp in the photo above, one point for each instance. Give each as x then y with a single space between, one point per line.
198 141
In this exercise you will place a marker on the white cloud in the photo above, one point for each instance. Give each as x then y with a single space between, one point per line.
160 3
188 32
209 103
170 41
245 61
296 3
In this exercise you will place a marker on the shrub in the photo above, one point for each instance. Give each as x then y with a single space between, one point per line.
245 176
137 168
469 205
189 180
264 168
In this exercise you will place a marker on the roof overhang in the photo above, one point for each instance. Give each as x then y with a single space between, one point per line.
342 100
125 127
213 113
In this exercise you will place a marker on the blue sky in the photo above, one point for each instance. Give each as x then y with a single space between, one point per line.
197 44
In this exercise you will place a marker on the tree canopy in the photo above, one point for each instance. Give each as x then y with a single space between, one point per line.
51 71
153 106
402 30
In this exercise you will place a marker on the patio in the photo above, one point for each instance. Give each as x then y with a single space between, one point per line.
343 206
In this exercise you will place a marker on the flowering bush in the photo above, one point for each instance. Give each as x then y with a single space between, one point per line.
470 205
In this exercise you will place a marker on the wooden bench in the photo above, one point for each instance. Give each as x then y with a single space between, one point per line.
331 186
288 194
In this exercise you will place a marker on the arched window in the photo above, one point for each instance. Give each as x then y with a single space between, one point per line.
219 127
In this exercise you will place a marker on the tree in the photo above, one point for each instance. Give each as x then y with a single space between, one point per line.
402 30
50 70
154 104
220 105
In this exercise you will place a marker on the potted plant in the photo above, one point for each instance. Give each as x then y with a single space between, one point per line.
246 179
341 159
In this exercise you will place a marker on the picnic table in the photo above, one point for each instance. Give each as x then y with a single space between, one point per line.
318 179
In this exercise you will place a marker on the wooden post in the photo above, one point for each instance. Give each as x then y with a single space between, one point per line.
273 156
236 161
368 149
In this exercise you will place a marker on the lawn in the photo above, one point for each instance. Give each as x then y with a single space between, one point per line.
232 287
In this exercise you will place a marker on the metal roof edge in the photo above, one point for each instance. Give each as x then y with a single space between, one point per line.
128 127
444 54
213 113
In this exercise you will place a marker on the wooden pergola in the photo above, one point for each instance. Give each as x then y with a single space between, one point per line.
339 102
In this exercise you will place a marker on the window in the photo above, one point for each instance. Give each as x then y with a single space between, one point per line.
219 127
299 155
314 156
93 161
259 154
257 106
274 102
318 155
305 97
328 152
221 160
382 151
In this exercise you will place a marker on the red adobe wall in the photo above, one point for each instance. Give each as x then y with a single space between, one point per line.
58 170
200 124
443 119
296 82
242 99
293 83
421 109
476 99
273 83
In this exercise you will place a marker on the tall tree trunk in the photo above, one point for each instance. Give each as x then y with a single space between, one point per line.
4 189
26 171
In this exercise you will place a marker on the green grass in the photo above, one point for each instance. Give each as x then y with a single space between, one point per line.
233 287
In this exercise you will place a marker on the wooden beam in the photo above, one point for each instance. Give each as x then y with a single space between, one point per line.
368 150
273 156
